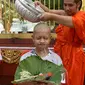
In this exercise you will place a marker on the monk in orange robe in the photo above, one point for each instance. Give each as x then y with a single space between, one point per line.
70 38
69 47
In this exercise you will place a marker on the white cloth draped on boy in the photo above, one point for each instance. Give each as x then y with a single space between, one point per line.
34 69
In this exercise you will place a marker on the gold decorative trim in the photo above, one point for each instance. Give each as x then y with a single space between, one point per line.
20 35
10 55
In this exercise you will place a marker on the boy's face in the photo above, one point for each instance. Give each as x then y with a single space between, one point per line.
41 39
71 7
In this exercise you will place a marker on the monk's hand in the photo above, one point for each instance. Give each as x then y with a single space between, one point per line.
46 16
36 3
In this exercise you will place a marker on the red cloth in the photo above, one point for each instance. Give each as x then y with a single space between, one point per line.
24 51
7 69
69 47
7 72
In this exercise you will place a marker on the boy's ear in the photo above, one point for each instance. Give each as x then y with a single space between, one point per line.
32 36
51 37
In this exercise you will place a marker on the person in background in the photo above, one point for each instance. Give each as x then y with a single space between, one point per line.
41 39
70 37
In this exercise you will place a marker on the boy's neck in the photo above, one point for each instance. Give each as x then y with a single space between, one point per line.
42 53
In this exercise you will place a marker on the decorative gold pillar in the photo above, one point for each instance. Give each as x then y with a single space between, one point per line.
0 13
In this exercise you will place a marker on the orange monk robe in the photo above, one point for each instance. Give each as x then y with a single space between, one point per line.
69 47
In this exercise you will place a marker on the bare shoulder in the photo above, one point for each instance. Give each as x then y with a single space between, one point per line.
60 12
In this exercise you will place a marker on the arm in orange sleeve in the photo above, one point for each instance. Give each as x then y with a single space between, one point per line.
79 25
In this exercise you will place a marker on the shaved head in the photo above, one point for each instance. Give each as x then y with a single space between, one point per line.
41 27
41 36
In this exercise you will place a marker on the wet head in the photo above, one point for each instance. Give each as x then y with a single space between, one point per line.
41 36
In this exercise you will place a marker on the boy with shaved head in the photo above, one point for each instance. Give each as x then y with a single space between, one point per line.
41 39
70 37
